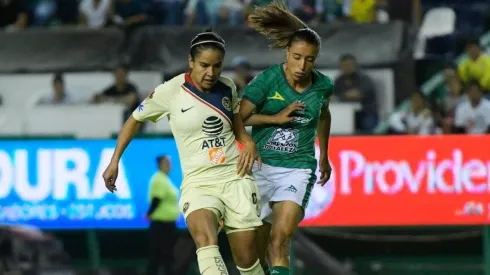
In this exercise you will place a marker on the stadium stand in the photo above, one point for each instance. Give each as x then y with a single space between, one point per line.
401 204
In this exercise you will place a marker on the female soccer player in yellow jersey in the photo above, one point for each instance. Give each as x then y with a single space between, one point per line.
202 109
290 101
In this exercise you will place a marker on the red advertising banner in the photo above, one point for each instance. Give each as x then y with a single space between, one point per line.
404 180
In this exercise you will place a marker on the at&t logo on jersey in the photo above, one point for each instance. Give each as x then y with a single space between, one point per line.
213 128
283 140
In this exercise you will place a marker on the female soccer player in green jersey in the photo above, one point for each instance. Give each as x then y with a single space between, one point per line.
287 105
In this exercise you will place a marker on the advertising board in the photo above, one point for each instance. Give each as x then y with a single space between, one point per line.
376 181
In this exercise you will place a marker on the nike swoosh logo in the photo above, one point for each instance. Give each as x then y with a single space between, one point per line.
185 110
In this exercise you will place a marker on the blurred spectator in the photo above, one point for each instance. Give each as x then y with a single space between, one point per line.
172 11
213 12
163 213
13 15
354 86
122 91
60 94
473 115
129 13
242 75
446 106
310 11
56 12
94 13
382 15
416 121
67 12
409 11
476 67
360 11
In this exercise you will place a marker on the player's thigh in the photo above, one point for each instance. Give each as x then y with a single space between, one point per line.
266 180
242 205
286 217
202 211
295 186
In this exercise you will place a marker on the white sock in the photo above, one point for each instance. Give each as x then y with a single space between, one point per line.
256 269
210 261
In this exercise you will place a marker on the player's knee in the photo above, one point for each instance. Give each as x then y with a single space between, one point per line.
280 240
246 260
204 238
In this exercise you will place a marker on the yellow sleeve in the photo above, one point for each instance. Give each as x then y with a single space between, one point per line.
485 79
462 71
156 106
159 186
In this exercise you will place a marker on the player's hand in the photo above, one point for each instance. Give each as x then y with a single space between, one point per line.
284 116
325 172
110 176
246 159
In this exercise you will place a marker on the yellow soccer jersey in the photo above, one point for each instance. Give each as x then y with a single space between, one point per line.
201 124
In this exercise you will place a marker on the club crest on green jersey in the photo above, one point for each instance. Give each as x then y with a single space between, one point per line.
283 140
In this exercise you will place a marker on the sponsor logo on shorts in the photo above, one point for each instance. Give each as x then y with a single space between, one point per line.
186 206
283 140
216 156
291 189
226 103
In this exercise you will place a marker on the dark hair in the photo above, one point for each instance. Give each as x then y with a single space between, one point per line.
206 40
281 27
473 42
347 56
160 158
420 94
58 77
450 65
474 83
123 67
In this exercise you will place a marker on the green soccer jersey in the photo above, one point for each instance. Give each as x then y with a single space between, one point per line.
291 145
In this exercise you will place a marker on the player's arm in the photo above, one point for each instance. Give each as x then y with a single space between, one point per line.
127 133
250 119
254 95
153 108
323 131
249 153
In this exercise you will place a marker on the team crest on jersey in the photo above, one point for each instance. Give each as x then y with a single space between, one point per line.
216 156
226 103
283 140
186 206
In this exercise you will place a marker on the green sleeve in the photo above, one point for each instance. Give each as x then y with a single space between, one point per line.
329 88
256 91
159 186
